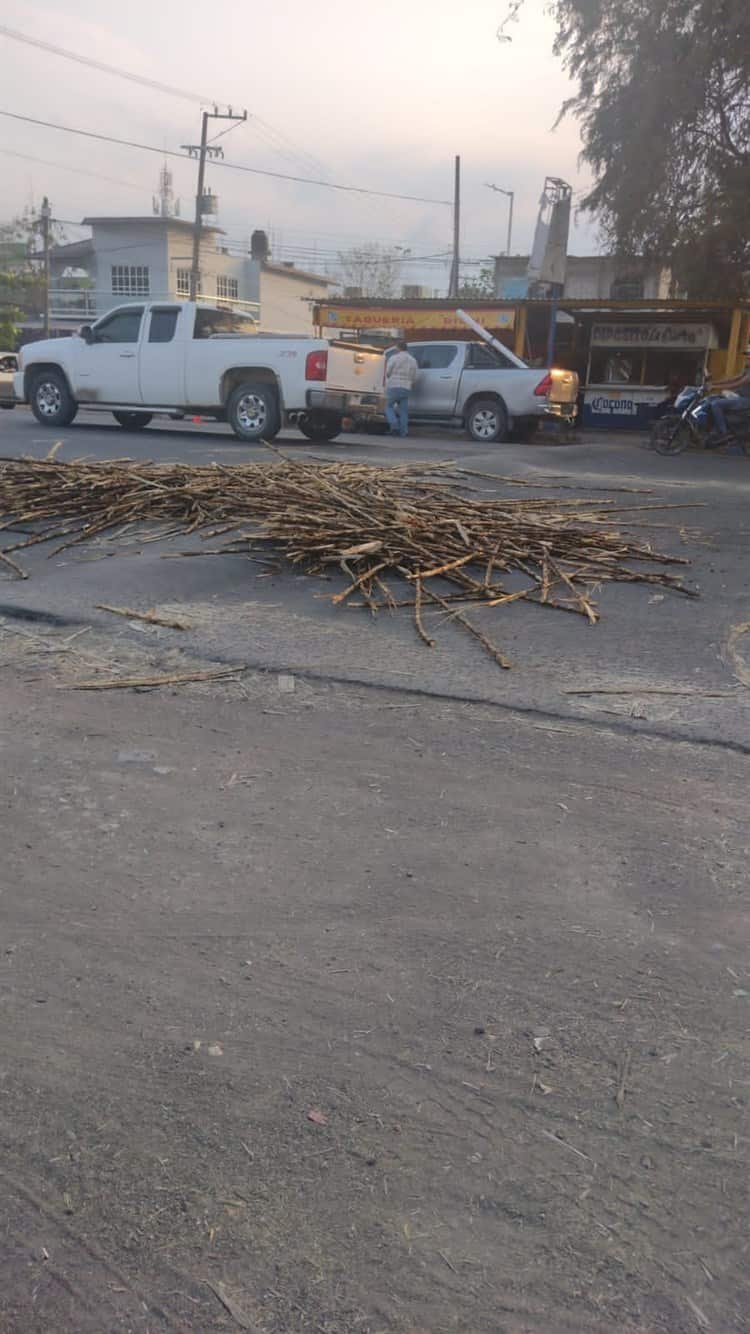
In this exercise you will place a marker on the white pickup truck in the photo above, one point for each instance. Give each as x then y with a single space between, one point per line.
190 359
486 388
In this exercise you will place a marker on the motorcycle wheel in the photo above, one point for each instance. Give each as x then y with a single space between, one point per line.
670 436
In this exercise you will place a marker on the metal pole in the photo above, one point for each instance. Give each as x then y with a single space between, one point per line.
46 215
454 284
196 265
553 331
510 196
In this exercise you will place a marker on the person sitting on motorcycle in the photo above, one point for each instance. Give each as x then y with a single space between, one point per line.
734 394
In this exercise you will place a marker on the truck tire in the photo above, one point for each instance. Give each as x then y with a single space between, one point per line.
133 421
487 421
253 412
51 400
320 426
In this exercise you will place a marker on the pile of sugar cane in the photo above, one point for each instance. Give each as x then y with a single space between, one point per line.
405 536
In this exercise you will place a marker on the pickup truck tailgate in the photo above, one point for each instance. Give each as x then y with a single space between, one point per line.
360 370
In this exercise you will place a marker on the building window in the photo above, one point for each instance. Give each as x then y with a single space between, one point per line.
227 289
130 280
183 283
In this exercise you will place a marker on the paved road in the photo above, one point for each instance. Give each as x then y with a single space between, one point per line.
643 644
411 1000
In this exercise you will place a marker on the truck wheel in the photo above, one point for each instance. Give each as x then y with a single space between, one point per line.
253 412
487 421
133 421
51 400
318 426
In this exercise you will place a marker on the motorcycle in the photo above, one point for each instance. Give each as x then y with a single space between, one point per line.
689 423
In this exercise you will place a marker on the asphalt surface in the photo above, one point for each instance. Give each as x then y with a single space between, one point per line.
376 991
644 644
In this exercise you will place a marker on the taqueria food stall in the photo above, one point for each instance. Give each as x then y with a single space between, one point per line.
633 367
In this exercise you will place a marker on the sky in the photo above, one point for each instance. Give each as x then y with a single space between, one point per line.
380 94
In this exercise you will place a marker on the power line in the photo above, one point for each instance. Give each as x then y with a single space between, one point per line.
273 137
98 64
231 166
79 171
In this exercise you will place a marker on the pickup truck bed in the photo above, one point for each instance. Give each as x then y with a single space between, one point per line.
186 358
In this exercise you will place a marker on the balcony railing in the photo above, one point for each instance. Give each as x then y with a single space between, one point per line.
81 305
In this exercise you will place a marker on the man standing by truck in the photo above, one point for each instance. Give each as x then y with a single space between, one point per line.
400 374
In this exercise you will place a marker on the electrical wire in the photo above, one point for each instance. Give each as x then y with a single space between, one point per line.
228 130
230 166
274 138
79 171
145 82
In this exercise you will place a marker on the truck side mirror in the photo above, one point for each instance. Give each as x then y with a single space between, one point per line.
86 333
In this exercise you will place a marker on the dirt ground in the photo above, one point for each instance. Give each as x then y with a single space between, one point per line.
343 1010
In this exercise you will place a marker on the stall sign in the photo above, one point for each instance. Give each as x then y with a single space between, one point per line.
403 317
613 406
620 409
687 337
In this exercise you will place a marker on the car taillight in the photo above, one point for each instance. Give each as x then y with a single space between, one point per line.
543 387
316 365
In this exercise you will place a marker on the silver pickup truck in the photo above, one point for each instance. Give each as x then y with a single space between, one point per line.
485 388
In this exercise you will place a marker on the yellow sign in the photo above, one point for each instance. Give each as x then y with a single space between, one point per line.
405 317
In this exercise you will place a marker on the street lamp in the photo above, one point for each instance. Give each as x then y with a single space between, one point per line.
510 196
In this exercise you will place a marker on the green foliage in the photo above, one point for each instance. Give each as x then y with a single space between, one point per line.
9 327
664 105
20 293
481 288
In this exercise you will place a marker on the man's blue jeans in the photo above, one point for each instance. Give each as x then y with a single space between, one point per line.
397 411
717 405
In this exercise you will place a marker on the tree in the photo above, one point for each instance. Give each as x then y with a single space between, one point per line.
481 288
664 108
374 268
21 293
21 280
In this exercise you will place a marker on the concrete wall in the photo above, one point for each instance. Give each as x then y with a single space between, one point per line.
593 277
215 262
131 244
284 303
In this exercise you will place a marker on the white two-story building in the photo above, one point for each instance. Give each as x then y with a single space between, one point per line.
150 257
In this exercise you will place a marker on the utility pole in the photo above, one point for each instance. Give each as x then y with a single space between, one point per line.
203 151
455 279
45 219
510 196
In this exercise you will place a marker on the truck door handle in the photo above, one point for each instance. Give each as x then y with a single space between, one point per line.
125 355
446 377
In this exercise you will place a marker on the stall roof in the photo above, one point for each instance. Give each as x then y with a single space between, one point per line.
584 305
693 309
